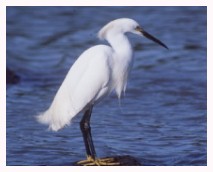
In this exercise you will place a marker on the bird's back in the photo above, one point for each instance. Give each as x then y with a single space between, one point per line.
88 80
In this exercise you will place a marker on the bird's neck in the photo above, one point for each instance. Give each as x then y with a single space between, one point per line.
120 45
123 58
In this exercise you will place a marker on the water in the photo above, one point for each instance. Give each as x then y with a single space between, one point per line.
162 119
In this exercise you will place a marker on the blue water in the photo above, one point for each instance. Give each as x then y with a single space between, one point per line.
162 119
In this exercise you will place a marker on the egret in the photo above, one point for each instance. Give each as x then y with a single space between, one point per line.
97 72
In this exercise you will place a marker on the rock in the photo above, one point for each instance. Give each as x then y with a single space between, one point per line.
11 77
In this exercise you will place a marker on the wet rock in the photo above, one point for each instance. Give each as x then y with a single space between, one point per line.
11 77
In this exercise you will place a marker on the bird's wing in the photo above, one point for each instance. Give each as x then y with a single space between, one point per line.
87 81
94 82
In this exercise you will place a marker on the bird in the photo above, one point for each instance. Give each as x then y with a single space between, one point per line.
97 72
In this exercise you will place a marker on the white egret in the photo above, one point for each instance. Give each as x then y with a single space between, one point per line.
97 72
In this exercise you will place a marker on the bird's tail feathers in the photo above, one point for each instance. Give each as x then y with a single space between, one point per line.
54 123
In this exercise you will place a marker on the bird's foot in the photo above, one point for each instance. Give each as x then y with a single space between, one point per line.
98 162
88 160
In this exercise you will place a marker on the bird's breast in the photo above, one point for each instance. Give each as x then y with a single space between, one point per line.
121 70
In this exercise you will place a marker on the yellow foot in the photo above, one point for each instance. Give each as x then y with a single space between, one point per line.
98 162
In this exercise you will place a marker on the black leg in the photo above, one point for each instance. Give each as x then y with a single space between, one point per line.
90 149
86 132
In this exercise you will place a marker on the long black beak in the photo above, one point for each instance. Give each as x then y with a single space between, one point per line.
147 35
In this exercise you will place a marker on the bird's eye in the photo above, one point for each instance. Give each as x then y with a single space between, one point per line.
138 28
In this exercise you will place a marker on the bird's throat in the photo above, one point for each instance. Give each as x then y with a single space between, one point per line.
121 45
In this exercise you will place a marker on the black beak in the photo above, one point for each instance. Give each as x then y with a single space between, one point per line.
147 35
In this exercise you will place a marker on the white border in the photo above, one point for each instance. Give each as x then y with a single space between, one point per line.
105 2
5 3
2 85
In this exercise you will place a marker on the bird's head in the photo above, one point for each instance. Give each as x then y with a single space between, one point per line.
124 25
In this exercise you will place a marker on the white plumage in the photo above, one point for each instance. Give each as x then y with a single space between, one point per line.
96 73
